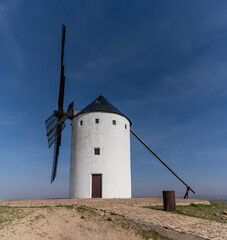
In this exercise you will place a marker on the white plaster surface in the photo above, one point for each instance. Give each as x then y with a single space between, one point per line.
114 159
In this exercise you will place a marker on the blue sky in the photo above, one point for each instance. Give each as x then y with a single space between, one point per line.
162 63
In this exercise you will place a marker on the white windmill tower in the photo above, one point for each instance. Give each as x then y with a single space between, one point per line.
100 147
100 152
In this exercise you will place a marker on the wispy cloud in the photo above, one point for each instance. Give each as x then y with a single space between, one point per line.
110 57
7 10
7 7
116 55
206 155
204 79
6 122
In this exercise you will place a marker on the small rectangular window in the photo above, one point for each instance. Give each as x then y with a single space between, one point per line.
96 120
125 126
81 123
114 122
97 151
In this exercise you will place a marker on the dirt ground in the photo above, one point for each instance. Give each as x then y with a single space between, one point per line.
69 219
61 223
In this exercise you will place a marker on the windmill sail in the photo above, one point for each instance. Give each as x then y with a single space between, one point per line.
62 75
55 124
55 160
51 122
55 134
59 128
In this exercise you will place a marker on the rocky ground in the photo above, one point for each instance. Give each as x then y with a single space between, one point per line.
69 219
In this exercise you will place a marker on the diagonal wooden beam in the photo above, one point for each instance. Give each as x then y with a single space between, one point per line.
188 188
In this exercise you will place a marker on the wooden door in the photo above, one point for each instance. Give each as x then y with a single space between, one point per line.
96 185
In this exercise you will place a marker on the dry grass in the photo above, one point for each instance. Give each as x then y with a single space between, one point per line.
216 211
9 214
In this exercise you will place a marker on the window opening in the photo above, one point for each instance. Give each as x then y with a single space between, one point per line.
125 126
81 123
114 122
97 151
96 120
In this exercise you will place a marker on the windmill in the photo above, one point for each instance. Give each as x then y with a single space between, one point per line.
100 147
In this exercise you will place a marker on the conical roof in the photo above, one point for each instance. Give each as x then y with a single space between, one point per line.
101 104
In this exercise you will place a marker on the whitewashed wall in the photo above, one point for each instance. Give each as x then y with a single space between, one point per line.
114 159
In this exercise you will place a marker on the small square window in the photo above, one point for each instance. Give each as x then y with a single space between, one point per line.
114 122
97 151
125 126
96 120
81 123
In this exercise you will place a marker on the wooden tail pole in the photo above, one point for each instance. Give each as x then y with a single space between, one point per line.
188 188
186 194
